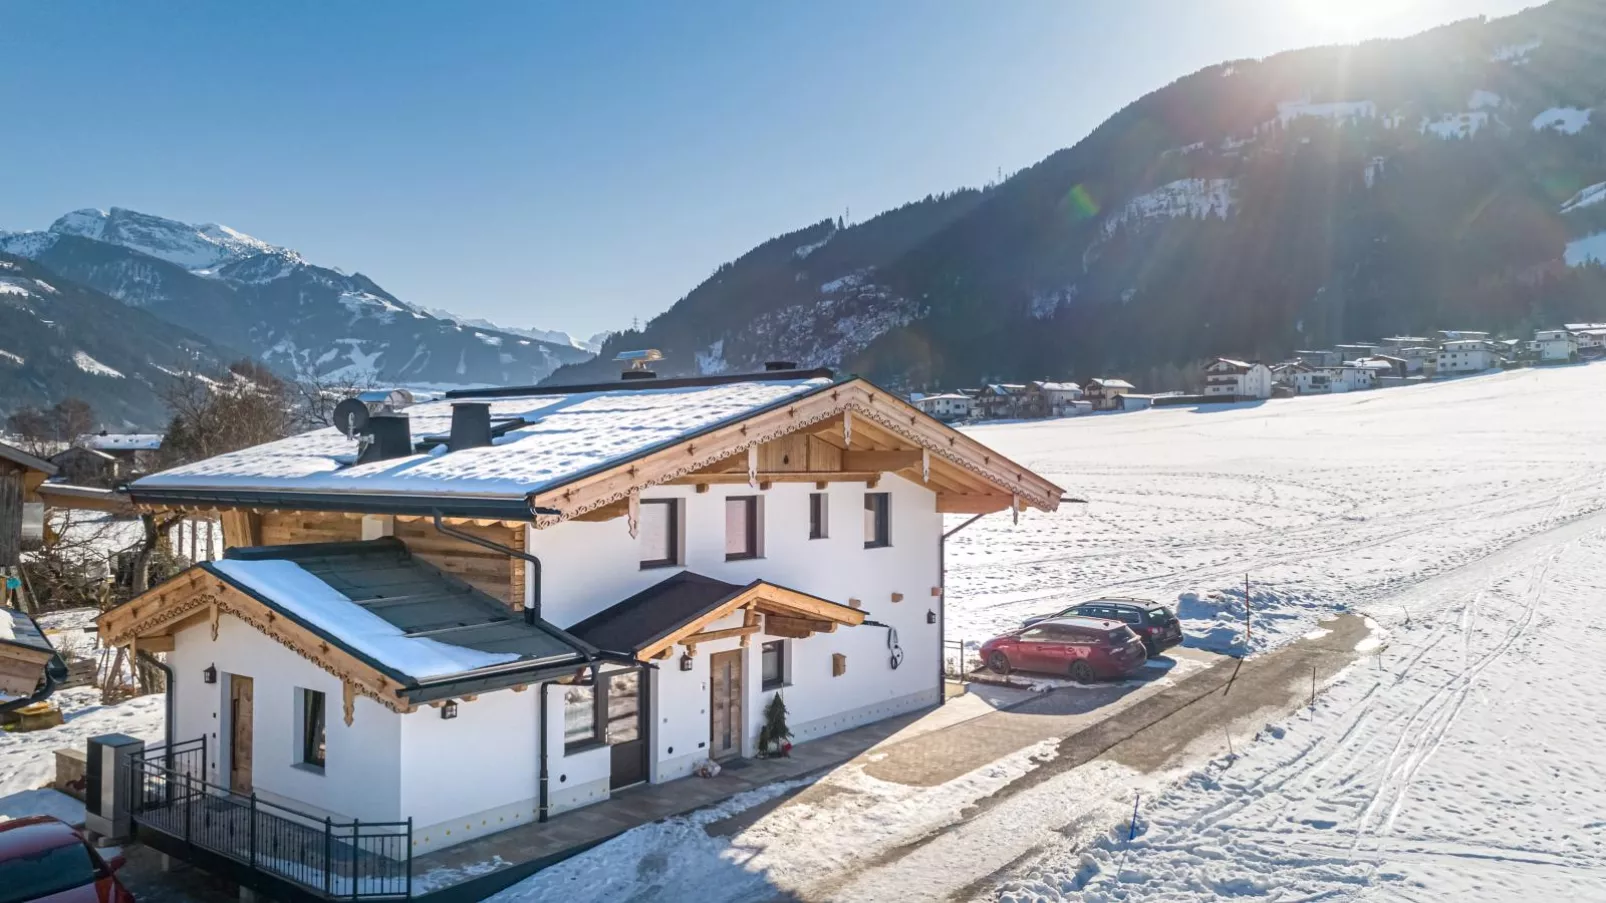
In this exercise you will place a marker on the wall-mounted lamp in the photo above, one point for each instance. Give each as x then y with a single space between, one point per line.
210 674
931 616
449 710
685 663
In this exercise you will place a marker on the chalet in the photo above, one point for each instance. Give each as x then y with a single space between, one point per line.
1460 335
82 466
136 452
947 407
1591 339
1386 365
999 400
1357 350
1419 359
1556 344
1467 356
1300 379
489 609
22 513
1395 344
1350 378
1049 399
1237 379
1105 394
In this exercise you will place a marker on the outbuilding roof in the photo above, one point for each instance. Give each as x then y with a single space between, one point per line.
23 459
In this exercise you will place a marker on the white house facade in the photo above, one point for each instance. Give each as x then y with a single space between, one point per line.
947 406
1347 378
355 657
1467 356
1240 379
1556 344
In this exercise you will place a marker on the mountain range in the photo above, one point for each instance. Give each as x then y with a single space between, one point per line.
1452 179
245 294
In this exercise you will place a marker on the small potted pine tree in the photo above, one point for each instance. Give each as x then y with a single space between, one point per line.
774 738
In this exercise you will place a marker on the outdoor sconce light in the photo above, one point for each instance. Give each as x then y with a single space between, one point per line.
931 616
210 674
449 710
685 663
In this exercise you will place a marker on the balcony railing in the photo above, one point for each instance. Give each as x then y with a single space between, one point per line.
338 860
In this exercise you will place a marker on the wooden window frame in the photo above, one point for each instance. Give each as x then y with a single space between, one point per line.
881 536
765 684
819 515
751 502
674 535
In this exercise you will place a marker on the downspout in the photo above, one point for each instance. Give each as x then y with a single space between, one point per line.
532 611
172 707
542 803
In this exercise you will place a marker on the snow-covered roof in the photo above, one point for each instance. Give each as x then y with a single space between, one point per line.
1112 383
31 462
1234 364
946 396
123 441
1058 387
565 435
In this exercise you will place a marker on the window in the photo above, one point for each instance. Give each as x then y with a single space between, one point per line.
1034 635
311 708
741 527
817 515
877 531
624 707
581 726
42 873
658 532
774 661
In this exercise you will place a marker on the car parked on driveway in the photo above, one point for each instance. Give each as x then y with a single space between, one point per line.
43 860
1081 648
1156 624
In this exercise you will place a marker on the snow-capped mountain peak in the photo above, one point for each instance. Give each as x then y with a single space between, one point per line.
200 249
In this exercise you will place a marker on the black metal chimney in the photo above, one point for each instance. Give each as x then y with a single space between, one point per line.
390 436
471 425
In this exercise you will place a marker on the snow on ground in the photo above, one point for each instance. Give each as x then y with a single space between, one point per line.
1594 194
1197 198
1289 110
1568 120
27 760
1184 502
844 819
1455 125
1583 250
89 365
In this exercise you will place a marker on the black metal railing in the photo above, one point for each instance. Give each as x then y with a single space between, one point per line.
341 860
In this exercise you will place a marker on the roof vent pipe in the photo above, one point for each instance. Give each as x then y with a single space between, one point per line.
772 366
471 425
389 436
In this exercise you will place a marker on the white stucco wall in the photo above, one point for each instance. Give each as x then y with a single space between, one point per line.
590 566
362 772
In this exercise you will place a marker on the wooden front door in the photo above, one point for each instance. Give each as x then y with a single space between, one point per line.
725 704
240 733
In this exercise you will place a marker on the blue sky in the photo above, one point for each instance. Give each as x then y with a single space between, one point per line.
572 167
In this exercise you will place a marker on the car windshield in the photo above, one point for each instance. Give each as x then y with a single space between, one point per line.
45 872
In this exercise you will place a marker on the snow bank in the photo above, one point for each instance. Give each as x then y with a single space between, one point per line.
89 365
27 760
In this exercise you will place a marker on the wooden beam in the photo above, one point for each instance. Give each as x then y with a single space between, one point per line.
880 461
788 632
957 503
241 528
157 643
606 512
772 622
708 636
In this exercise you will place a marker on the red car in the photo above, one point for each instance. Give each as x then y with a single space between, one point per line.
43 859
1083 648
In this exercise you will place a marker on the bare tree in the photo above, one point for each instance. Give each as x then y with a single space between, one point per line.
46 431
316 397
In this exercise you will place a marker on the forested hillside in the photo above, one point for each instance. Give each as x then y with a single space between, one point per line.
1448 180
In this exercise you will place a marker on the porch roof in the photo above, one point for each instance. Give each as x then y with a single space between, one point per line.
675 610
394 627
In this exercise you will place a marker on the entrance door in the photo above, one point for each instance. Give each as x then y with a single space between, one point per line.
240 733
627 729
725 704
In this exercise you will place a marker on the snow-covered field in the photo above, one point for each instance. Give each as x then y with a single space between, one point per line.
1459 758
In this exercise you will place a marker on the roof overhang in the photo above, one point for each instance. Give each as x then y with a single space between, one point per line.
90 498
785 612
514 508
